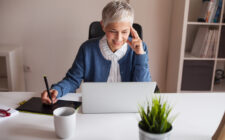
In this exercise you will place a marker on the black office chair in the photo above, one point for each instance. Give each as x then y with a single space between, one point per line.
95 30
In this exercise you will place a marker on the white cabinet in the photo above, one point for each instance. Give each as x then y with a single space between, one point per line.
11 69
187 72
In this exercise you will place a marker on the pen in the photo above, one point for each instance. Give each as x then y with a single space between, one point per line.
46 84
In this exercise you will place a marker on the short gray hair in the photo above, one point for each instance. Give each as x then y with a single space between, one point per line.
116 11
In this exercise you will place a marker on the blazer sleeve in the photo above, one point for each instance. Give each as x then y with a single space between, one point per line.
73 77
141 71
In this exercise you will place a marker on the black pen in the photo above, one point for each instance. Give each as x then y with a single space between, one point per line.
46 84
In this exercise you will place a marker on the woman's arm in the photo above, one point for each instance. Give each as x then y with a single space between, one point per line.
141 68
73 77
141 71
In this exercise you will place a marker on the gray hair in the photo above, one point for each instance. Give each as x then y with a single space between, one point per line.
116 11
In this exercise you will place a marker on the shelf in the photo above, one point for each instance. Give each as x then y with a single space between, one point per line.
203 23
190 39
3 84
219 87
194 91
219 83
188 56
197 75
4 89
11 68
221 53
220 59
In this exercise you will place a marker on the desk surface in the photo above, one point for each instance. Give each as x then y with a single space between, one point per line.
199 116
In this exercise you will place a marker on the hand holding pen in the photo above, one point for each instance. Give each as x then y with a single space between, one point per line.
48 96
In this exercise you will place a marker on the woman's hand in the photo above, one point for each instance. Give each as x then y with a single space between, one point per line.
46 100
136 42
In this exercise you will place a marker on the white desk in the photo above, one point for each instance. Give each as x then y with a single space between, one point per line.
199 116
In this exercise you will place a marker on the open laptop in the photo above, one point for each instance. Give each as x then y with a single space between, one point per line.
121 97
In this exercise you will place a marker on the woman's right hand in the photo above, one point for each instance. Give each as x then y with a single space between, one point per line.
46 100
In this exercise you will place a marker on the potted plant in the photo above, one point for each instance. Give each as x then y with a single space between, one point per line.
156 122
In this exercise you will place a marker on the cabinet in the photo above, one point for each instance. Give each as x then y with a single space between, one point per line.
187 72
11 69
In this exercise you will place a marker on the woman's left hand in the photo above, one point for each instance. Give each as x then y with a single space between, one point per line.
136 42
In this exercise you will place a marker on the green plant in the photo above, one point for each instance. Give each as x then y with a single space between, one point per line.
155 119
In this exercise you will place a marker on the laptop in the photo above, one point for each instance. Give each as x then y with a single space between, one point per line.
121 97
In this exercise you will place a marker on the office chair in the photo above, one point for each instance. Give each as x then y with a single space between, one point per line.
95 30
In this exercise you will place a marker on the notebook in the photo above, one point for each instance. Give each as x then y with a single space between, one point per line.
122 97
36 106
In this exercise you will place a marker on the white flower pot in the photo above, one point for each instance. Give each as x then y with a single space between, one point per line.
143 135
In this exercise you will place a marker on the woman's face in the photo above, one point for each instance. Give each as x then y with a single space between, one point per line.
117 34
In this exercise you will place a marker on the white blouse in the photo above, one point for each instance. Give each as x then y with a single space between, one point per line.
114 74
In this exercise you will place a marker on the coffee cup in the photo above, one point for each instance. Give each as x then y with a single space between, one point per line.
64 121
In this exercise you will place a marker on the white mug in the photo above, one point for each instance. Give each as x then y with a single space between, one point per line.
64 121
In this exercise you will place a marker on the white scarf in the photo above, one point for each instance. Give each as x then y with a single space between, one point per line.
114 74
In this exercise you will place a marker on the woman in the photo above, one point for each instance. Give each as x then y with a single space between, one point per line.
112 58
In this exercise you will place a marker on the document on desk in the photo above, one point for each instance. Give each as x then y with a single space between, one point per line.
7 112
34 105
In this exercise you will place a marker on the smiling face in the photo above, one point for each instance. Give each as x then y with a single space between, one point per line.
117 34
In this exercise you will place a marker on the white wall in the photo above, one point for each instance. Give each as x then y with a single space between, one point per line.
155 16
51 32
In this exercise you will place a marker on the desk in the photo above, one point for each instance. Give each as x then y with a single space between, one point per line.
199 116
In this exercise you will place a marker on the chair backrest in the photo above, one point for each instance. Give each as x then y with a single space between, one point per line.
95 30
